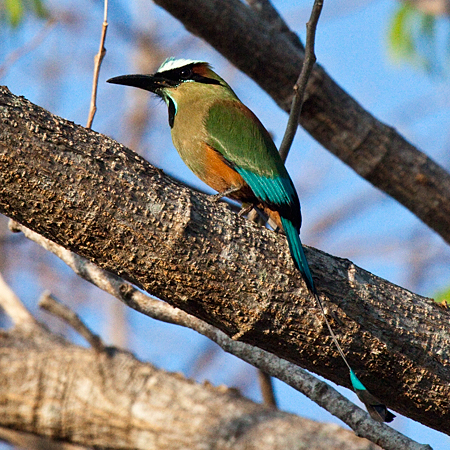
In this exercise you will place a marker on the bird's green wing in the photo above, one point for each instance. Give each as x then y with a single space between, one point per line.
238 135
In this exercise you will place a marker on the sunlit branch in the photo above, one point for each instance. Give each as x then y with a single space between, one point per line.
98 62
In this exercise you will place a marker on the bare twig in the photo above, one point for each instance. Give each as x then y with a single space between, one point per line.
300 85
27 47
13 306
270 15
98 62
301 380
266 386
53 306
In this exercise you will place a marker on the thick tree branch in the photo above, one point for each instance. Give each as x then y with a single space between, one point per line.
274 21
109 399
319 392
374 150
99 199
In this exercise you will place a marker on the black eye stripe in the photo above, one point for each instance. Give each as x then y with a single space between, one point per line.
177 74
186 73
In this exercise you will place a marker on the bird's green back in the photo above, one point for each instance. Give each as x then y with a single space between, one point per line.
238 135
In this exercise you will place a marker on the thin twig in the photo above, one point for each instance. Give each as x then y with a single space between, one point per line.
267 392
27 47
98 62
53 306
296 377
300 85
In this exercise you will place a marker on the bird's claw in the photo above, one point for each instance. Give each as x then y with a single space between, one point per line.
245 210
216 197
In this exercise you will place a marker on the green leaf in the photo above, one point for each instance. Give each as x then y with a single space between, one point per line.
428 26
14 10
401 40
413 37
39 9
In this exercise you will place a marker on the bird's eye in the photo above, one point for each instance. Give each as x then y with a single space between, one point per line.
185 74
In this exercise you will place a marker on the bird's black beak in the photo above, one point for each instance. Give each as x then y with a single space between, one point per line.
151 83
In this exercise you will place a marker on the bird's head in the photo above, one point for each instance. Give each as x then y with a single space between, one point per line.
183 75
180 80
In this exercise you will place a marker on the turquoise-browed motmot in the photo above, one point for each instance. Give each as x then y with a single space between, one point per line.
228 148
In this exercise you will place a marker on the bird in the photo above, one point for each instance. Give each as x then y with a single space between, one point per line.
227 147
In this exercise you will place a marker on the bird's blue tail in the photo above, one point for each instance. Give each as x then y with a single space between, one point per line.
376 409
297 252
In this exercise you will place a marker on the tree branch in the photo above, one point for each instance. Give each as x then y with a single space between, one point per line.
53 306
29 441
372 149
97 64
274 21
319 392
99 199
111 400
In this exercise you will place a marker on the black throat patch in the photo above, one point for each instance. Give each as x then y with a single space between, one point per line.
172 112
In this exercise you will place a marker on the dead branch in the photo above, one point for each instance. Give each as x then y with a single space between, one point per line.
57 391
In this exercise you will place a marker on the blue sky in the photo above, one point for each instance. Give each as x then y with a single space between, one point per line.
351 45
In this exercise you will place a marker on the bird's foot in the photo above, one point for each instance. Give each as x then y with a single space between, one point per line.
216 197
245 210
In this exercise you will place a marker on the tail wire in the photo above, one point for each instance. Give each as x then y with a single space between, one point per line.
333 336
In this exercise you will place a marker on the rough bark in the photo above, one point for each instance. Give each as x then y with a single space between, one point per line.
97 198
318 391
109 399
268 53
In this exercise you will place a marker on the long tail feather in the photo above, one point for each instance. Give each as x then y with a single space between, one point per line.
297 253
376 409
